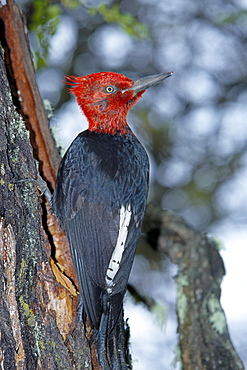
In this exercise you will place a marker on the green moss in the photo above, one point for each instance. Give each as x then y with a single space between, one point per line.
177 360
11 186
17 129
160 312
23 268
182 301
217 317
29 314
40 340
2 169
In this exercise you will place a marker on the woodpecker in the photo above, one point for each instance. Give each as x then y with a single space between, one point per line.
100 196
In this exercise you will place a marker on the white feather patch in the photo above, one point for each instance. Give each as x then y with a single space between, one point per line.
125 216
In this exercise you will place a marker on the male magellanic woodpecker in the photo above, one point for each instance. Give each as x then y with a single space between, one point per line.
101 194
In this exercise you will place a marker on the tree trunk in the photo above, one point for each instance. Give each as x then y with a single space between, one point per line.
38 287
37 319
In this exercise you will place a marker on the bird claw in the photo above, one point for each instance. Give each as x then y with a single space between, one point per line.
40 183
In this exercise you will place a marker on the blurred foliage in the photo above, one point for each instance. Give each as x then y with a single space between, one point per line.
45 17
194 124
232 18
129 24
44 22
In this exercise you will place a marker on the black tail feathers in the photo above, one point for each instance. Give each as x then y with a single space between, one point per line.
113 346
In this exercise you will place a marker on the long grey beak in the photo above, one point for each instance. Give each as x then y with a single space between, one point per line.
145 82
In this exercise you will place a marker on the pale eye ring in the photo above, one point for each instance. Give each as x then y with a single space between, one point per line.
110 89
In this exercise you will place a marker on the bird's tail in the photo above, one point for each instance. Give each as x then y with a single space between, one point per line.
113 346
102 347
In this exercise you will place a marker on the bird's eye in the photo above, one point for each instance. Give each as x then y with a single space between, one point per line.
110 89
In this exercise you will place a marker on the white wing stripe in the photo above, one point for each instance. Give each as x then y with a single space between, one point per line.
125 216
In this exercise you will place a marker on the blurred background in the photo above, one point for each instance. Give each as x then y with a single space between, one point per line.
193 125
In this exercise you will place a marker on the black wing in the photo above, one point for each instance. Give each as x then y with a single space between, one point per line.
98 175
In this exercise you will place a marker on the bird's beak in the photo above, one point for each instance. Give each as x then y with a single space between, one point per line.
145 82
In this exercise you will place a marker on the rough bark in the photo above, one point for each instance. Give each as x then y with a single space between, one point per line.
204 339
37 315
27 100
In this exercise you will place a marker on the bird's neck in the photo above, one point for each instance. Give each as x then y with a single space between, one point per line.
108 123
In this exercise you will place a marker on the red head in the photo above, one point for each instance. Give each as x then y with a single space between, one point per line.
106 97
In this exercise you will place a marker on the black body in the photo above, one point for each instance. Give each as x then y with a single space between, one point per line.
98 175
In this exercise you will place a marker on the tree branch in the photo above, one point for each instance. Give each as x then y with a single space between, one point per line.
204 338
